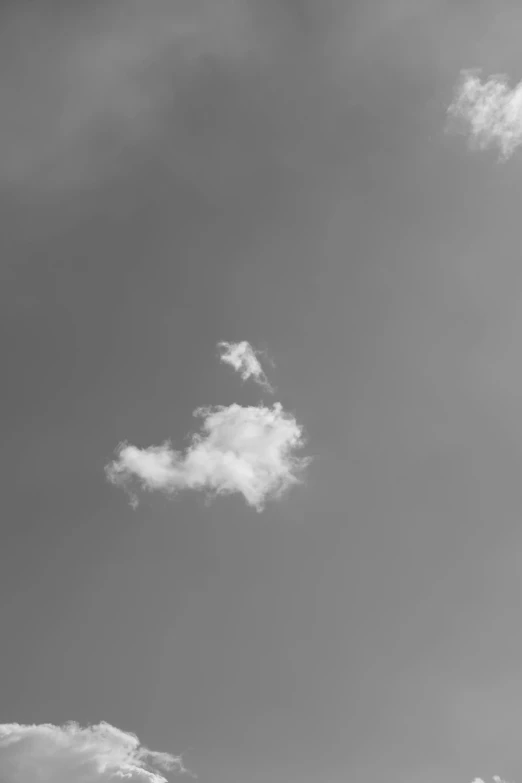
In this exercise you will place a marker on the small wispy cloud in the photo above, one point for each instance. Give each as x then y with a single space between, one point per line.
46 753
251 451
243 358
489 112
496 779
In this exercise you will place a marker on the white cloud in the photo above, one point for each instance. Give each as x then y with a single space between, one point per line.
245 450
242 357
62 754
489 112
496 779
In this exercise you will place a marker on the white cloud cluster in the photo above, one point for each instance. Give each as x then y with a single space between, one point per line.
245 450
496 779
242 357
489 112
62 754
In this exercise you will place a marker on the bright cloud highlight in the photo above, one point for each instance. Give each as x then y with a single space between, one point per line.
242 357
245 450
62 754
490 112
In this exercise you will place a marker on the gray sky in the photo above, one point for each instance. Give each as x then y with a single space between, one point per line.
175 174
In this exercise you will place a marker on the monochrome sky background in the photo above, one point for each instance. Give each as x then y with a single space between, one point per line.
174 174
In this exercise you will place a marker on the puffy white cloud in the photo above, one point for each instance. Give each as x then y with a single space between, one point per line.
46 753
496 779
242 357
248 450
488 111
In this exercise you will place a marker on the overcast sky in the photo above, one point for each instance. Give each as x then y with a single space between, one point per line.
281 175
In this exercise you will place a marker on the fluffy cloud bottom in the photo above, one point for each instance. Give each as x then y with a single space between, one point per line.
63 754
242 357
496 779
490 111
246 450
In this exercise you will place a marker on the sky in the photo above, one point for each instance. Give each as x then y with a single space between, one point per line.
298 221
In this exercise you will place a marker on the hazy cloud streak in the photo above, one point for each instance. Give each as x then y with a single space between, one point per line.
80 91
